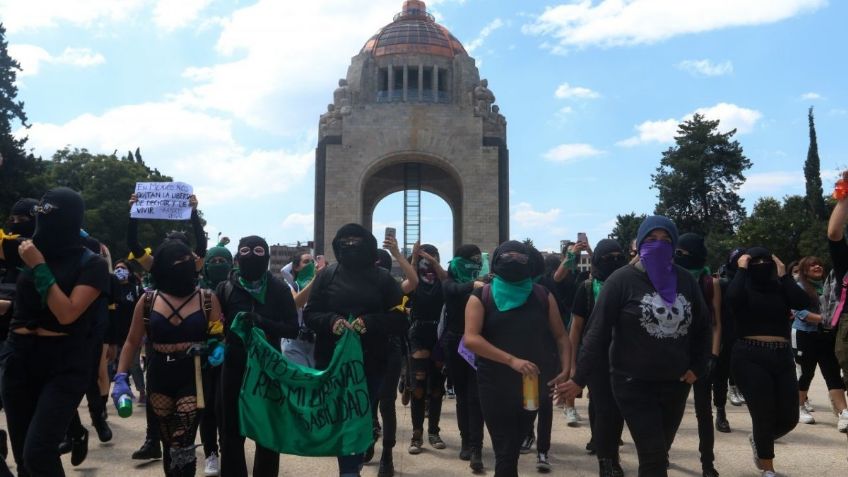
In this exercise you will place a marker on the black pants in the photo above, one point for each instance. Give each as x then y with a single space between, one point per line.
765 373
96 401
388 395
44 379
265 462
704 415
604 416
468 414
428 392
721 375
653 411
502 406
544 417
208 420
817 348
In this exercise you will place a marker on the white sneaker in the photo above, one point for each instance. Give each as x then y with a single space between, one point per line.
768 473
804 417
571 417
809 406
842 423
211 469
735 396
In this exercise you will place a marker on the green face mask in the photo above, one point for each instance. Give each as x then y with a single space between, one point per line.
216 273
464 270
305 275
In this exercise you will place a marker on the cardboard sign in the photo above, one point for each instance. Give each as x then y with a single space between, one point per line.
162 201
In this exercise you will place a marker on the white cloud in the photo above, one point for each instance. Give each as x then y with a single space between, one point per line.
21 15
527 217
191 146
484 33
566 91
173 14
300 222
31 58
811 96
571 152
773 182
706 67
730 116
617 22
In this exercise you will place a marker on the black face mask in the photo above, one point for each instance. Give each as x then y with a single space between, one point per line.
688 262
355 256
176 279
605 266
58 222
762 273
253 267
512 271
24 229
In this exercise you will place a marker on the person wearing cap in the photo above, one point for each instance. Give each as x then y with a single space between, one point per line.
651 319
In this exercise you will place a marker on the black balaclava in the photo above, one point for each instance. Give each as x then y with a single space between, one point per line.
694 244
23 208
426 270
177 235
58 223
511 271
763 275
355 257
384 260
178 279
604 264
537 263
252 267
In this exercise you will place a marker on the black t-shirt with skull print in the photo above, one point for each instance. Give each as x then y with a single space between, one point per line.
645 337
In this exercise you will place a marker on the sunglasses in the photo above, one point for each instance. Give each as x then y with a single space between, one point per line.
350 241
514 257
258 250
43 209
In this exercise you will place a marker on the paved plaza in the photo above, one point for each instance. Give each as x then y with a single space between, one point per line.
809 451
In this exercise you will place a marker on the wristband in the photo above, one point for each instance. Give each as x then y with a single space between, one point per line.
44 279
840 191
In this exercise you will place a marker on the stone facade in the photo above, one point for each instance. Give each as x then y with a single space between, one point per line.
411 106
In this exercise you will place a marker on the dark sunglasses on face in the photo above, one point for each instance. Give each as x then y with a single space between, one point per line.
259 251
612 257
514 257
350 241
43 209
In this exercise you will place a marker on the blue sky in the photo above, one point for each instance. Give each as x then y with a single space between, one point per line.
226 95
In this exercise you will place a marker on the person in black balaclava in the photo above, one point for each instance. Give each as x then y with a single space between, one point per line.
267 301
47 362
762 295
507 323
425 357
691 254
605 418
355 287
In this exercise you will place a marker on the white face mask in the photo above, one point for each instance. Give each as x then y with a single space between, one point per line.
122 274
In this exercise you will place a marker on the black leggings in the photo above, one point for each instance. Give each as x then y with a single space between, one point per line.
208 420
765 374
817 348
385 399
44 379
174 401
468 414
721 375
96 401
503 416
704 415
545 414
428 388
605 418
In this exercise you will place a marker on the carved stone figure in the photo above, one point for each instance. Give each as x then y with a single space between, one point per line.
341 98
483 99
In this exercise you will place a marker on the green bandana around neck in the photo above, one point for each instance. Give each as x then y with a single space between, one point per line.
256 289
510 295
818 285
596 288
699 272
305 275
463 270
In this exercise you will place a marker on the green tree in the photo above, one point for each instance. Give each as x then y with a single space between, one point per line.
812 173
528 242
17 168
626 227
698 178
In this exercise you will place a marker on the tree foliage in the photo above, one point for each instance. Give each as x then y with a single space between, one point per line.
698 179
626 227
812 173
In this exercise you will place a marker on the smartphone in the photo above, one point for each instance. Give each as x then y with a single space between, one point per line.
581 237
391 232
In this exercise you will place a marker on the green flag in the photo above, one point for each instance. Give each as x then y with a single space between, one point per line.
292 409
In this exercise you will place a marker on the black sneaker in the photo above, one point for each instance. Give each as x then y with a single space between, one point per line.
527 445
416 443
721 423
590 447
609 468
476 461
542 464
104 432
65 445
79 449
465 452
149 450
710 472
387 466
436 441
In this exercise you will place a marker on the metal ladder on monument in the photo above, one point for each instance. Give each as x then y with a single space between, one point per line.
411 206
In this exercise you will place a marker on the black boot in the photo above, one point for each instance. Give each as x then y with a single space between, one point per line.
721 423
387 466
149 450
104 432
476 461
65 445
79 449
464 451
609 468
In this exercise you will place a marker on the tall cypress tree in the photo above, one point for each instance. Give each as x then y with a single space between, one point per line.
812 173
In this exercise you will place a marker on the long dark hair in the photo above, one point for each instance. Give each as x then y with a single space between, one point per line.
804 279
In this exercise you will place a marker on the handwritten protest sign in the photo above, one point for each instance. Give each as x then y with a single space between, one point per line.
162 200
292 409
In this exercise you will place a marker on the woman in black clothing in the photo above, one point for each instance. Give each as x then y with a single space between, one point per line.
268 302
356 287
506 324
461 281
763 295
47 357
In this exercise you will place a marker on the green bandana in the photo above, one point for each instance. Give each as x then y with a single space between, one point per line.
596 288
570 262
699 272
463 270
256 289
818 285
510 295
305 275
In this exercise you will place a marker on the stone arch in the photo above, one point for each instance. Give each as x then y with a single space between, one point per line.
385 177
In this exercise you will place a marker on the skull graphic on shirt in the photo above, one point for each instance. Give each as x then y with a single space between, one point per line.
662 320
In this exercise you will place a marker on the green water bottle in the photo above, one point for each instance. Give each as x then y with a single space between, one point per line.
125 405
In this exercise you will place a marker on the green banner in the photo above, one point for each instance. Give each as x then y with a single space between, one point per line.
292 409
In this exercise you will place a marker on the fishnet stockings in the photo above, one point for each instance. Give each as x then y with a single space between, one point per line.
178 421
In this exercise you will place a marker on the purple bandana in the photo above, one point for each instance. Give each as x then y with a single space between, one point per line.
657 258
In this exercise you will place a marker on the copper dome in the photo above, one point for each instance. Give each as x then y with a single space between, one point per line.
414 31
